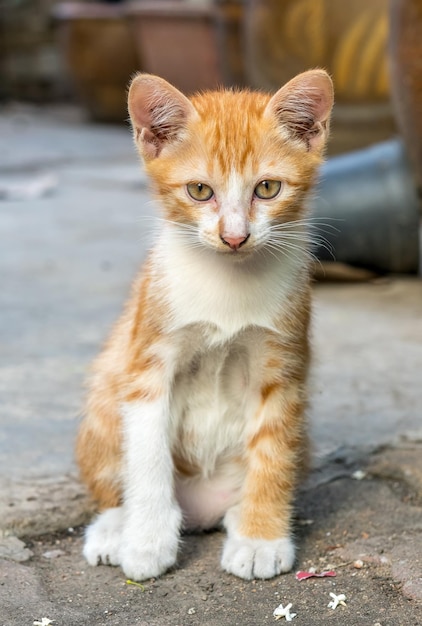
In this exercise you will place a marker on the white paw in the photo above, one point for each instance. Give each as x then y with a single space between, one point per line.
257 558
144 550
150 553
145 561
103 538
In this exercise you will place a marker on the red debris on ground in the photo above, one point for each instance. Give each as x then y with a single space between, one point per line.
301 575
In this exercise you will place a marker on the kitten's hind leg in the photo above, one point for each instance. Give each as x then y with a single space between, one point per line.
103 538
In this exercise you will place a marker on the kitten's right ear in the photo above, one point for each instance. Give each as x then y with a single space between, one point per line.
159 113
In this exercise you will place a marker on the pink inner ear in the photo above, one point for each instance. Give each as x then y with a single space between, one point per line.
320 106
151 148
140 113
145 95
320 94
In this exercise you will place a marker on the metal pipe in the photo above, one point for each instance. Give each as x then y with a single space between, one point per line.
368 200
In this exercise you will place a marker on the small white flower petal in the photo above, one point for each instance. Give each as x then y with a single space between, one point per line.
281 611
336 600
359 475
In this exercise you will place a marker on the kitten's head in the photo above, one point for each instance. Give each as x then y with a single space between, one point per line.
232 168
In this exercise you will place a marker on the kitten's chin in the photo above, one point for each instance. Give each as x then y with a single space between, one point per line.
236 256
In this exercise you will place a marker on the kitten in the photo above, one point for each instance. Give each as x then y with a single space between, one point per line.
196 406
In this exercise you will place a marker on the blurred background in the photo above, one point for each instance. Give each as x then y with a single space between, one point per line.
85 53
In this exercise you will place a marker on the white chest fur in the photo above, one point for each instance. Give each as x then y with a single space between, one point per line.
221 310
204 287
213 397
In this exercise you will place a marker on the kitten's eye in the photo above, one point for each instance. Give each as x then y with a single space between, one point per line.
267 189
200 191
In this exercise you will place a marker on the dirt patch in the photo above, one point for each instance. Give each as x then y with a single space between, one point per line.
337 523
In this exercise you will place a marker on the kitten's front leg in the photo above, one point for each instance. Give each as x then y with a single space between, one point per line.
151 516
259 543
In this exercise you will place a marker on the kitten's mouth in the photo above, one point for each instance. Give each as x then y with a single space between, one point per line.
237 254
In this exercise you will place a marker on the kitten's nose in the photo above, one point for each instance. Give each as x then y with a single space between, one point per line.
234 242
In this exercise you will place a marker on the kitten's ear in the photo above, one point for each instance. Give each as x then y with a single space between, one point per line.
159 113
303 107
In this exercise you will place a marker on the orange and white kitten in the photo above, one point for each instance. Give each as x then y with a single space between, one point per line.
196 406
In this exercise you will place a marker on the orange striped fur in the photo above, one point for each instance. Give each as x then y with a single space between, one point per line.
205 372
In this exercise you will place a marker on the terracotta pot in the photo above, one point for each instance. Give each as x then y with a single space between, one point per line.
99 54
284 37
192 45
406 73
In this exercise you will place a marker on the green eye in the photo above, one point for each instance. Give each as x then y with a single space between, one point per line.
200 191
267 189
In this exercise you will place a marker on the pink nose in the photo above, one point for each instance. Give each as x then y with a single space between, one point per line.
234 242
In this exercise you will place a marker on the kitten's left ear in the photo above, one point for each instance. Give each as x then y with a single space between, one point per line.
303 107
159 113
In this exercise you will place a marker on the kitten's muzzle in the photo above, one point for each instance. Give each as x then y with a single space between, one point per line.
234 242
